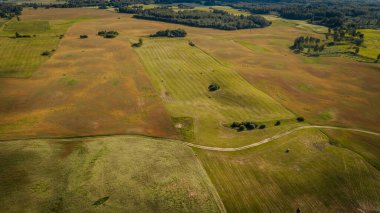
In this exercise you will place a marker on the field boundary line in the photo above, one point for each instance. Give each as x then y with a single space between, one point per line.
210 148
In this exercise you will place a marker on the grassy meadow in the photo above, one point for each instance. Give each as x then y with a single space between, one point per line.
313 176
106 174
182 74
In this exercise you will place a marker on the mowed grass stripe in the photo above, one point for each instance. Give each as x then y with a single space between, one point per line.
183 73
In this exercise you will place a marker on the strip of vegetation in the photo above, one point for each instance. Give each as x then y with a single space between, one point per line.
216 19
108 34
339 41
170 33
251 125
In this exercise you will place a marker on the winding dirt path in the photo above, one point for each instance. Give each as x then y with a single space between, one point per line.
277 136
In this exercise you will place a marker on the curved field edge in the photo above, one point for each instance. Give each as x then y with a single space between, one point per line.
301 170
106 174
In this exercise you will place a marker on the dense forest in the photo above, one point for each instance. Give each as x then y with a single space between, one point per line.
330 13
217 19
327 13
9 10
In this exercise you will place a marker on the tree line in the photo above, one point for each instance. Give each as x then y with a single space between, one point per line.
364 14
8 10
215 19
170 33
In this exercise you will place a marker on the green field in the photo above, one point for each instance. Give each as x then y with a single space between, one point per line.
20 57
182 74
106 174
372 43
313 176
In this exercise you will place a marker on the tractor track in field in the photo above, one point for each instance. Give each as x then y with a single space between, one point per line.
277 136
211 148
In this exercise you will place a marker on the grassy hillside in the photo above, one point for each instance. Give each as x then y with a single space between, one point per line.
108 174
313 176
182 74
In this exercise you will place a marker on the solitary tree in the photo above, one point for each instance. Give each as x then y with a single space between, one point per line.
378 58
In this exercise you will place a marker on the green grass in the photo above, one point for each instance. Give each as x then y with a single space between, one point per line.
182 74
367 146
26 27
107 174
253 47
312 176
372 43
21 57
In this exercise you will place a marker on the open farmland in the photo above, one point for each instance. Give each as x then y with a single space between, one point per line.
20 57
182 74
102 175
88 87
97 86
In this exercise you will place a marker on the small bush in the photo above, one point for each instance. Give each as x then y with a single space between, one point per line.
139 44
191 44
300 119
83 36
213 87
278 123
46 53
241 128
262 126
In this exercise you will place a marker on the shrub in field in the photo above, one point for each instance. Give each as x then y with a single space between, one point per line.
213 87
278 123
83 36
46 53
193 45
300 119
262 126
138 44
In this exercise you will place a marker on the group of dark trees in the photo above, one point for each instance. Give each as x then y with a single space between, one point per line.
362 14
309 43
216 19
337 36
170 33
9 10
108 34
246 125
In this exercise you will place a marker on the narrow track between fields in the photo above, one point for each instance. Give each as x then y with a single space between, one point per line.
277 136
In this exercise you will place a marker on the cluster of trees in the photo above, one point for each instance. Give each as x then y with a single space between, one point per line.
216 19
363 14
9 10
170 33
108 34
246 125
336 36
309 43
